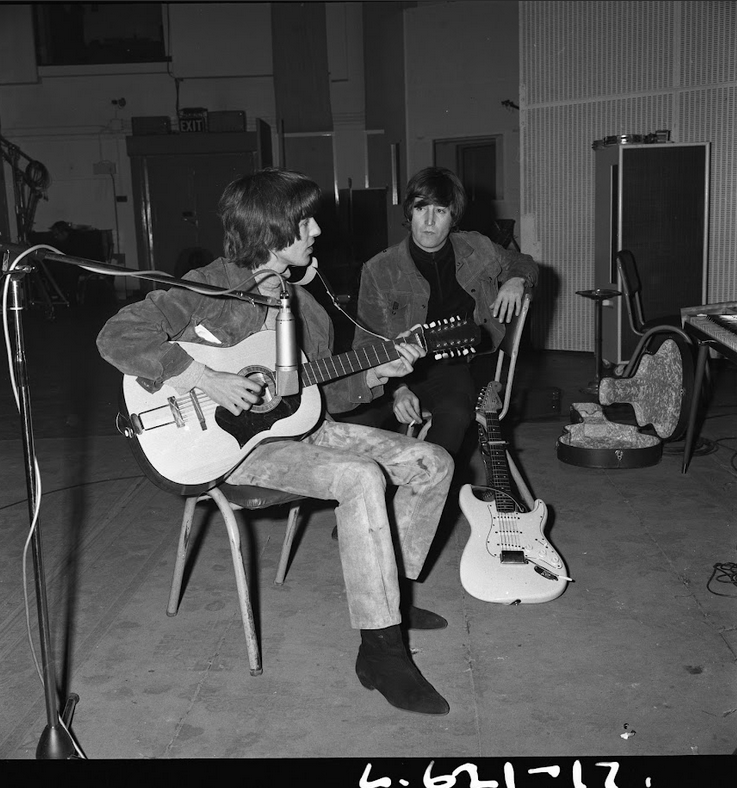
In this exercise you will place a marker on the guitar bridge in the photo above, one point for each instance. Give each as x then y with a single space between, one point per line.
513 557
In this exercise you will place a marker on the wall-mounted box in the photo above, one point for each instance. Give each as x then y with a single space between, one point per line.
151 124
227 120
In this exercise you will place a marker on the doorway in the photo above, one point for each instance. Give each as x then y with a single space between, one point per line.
478 162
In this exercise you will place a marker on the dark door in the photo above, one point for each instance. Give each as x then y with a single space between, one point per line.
184 191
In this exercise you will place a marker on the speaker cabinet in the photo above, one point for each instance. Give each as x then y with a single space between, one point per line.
652 199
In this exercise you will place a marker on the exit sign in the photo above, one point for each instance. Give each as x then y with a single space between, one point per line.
194 119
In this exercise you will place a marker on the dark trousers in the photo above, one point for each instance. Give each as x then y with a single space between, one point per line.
445 388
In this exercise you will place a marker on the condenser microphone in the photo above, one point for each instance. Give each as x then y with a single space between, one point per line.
287 354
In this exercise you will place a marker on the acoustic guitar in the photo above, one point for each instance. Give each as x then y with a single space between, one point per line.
507 558
188 443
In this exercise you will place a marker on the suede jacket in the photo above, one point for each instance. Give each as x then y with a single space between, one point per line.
393 295
141 339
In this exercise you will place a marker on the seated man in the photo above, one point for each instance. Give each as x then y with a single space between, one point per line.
269 225
435 273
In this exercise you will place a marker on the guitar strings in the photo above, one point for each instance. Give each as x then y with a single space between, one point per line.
186 406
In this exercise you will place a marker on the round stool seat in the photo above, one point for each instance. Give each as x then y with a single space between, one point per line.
599 294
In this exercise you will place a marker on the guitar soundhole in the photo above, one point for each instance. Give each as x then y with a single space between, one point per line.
269 397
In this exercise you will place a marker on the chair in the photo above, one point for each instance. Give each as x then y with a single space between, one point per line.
230 498
508 351
506 363
645 329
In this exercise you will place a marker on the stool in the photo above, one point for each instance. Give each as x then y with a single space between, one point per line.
598 295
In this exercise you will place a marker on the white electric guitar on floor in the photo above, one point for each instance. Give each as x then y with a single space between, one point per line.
188 443
507 558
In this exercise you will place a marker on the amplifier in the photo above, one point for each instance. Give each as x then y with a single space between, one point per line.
228 120
151 124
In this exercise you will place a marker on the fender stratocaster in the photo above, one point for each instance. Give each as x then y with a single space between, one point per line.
188 443
507 558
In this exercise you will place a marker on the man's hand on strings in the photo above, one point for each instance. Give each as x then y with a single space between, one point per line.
234 392
409 353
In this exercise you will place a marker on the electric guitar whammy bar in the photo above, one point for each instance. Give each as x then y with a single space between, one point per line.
507 558
188 443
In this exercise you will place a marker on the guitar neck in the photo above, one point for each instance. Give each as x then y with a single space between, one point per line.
333 367
497 467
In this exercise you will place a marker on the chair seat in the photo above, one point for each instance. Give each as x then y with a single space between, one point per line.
252 497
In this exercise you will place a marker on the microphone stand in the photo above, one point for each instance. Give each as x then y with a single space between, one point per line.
56 741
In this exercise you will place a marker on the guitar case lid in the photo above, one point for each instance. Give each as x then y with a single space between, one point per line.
661 389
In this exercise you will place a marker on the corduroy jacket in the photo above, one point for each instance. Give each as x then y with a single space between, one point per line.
393 294
141 339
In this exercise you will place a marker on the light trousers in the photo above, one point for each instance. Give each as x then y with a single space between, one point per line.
380 535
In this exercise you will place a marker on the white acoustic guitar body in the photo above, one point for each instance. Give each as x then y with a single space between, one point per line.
180 437
186 443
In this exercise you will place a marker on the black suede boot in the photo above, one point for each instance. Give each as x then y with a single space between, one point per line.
384 664
417 618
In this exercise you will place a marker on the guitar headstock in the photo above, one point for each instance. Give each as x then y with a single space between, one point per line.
488 401
453 336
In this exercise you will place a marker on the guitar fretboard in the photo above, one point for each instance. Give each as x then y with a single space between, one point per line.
497 468
325 369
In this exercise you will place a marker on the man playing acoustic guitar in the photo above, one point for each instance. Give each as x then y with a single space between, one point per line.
269 225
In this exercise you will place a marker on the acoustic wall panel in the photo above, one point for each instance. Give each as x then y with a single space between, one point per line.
573 51
711 112
708 52
591 70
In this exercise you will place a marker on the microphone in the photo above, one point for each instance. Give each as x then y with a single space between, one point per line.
287 355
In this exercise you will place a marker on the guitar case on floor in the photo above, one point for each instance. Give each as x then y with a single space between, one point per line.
660 392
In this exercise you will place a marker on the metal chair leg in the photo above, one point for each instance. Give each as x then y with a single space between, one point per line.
234 536
286 549
521 485
181 560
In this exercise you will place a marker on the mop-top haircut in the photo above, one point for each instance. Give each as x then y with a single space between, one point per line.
435 186
261 213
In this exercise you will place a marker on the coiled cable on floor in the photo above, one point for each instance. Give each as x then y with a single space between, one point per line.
723 573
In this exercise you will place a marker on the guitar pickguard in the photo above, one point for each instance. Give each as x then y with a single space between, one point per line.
507 558
245 425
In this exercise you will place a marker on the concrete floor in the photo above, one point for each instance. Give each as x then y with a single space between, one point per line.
638 642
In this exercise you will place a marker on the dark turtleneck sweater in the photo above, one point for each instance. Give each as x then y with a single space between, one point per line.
447 297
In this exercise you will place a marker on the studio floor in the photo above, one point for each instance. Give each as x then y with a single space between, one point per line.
636 658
